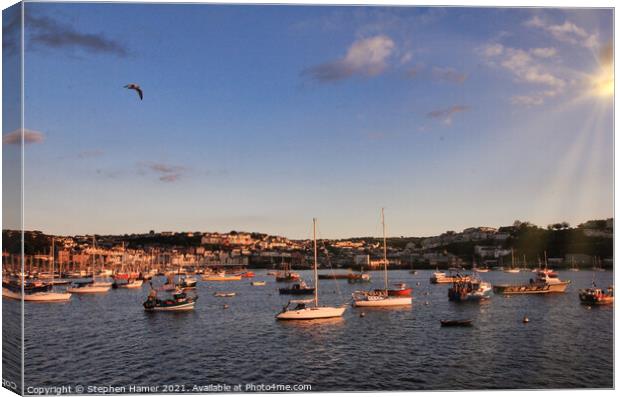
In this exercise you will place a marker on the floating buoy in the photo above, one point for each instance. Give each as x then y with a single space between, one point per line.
417 284
588 307
362 314
225 307
525 319
426 303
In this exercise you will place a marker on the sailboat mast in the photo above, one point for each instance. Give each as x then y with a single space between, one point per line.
384 250
53 262
316 274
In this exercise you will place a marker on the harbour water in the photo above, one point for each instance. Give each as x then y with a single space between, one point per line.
109 340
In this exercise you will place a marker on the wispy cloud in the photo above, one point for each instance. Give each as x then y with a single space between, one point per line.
448 74
567 32
365 57
15 137
165 172
50 33
528 67
445 115
547 52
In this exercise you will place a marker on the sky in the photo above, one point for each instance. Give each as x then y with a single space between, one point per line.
259 118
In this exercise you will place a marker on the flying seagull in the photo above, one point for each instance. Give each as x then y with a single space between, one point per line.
136 87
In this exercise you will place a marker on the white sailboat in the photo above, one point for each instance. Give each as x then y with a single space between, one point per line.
309 309
381 298
91 287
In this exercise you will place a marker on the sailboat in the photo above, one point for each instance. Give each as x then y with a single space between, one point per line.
45 296
131 278
309 309
512 269
91 287
574 267
382 297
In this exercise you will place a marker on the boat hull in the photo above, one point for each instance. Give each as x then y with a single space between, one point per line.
312 313
38 296
298 291
389 301
221 278
535 288
175 308
400 292
89 290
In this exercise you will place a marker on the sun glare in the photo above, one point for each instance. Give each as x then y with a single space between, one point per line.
602 84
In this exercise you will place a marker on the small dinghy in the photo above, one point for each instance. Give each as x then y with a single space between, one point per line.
258 283
456 323
224 294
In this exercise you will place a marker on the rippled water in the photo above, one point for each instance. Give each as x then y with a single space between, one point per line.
109 340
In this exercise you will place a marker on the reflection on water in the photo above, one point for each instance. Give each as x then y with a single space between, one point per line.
110 340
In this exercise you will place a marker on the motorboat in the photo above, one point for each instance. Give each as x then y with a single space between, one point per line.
300 288
471 290
597 296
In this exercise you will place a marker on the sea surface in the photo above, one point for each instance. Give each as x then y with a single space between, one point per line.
109 340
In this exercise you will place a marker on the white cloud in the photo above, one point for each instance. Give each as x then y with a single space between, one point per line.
366 57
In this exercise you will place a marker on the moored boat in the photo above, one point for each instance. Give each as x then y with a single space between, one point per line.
258 283
178 302
224 294
441 278
383 297
546 282
310 309
472 290
220 277
597 296
400 290
456 323
300 288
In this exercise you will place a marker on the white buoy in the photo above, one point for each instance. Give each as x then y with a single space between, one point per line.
362 314
525 319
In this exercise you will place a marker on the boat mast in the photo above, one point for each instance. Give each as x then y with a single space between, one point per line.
53 262
316 274
384 250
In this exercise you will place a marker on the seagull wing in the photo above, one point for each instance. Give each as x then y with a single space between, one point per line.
139 92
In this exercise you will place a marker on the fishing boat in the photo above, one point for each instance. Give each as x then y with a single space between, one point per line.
309 309
546 282
456 323
221 276
472 290
258 283
383 297
300 288
597 296
224 294
247 274
179 301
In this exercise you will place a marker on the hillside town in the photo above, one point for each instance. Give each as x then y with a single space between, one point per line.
488 246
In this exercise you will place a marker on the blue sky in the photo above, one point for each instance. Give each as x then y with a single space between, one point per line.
259 118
